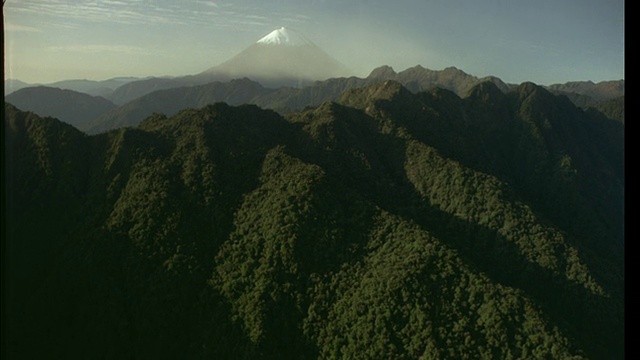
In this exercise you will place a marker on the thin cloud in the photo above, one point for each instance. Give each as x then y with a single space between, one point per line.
64 25
293 18
20 28
105 11
250 22
208 3
201 13
256 17
296 20
100 48
115 2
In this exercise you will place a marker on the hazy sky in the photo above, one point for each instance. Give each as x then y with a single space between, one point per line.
544 41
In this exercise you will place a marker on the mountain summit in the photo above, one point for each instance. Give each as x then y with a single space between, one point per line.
283 57
284 36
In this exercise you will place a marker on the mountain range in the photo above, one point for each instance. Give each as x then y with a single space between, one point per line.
271 207
390 222
102 88
287 99
71 106
283 99
94 115
598 92
283 71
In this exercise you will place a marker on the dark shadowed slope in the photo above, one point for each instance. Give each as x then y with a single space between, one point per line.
385 225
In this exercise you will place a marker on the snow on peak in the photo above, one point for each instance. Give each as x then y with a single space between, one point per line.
284 36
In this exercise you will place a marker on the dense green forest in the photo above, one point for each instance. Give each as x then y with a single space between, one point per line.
386 224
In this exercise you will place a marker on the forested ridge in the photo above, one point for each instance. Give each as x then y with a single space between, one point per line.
386 224
287 99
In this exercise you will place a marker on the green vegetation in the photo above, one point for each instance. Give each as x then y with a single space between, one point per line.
612 108
385 225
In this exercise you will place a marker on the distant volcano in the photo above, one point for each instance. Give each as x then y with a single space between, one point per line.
282 57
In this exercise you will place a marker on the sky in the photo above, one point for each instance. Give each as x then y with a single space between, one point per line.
543 41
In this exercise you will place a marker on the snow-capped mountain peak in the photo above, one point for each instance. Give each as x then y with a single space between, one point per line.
282 58
284 36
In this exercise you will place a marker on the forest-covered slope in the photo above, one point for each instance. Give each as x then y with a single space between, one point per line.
384 225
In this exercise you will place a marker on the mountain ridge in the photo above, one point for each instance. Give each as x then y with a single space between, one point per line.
75 108
273 63
286 99
600 91
102 88
385 223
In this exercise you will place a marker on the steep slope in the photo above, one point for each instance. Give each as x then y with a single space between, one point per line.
69 106
529 138
389 224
